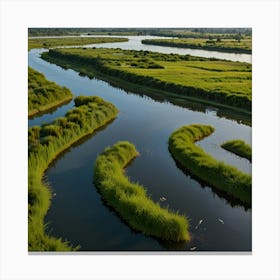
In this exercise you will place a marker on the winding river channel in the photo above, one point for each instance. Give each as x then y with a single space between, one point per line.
77 212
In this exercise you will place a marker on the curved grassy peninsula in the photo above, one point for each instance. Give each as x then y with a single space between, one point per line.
130 200
45 143
44 95
211 81
222 45
239 148
70 41
213 172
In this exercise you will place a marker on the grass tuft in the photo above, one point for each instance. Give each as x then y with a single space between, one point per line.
131 201
44 95
215 173
45 143
239 148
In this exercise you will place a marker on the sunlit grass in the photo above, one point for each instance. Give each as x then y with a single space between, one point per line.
215 173
43 94
69 41
219 44
238 147
222 82
45 143
130 200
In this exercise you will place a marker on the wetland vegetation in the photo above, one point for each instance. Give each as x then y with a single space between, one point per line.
211 171
223 45
45 143
192 78
185 80
238 147
69 41
131 201
44 95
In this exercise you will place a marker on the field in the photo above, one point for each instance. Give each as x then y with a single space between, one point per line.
216 173
214 81
43 94
45 143
223 45
69 41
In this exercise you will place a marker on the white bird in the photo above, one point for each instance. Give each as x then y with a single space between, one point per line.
162 199
221 221
199 223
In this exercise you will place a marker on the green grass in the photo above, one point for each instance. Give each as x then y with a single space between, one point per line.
45 143
213 81
44 95
215 173
35 43
130 200
239 148
224 45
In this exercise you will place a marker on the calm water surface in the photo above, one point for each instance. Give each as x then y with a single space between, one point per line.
77 212
134 42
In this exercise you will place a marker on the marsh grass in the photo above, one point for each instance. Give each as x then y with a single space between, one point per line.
213 172
70 41
45 143
238 147
44 95
130 200
210 80
223 45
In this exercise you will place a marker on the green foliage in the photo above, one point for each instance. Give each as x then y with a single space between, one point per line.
239 148
130 200
43 94
222 45
44 145
210 80
70 41
215 173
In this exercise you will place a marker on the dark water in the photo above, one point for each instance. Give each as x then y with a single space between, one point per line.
77 212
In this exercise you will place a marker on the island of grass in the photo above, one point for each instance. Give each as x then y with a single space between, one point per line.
45 143
44 95
238 147
217 174
211 81
222 45
131 201
36 43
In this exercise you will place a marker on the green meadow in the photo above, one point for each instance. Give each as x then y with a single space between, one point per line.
212 81
130 200
35 43
216 173
45 143
219 44
43 94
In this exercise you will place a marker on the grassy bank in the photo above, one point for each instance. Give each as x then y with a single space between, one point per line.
130 200
36 43
215 173
209 80
44 95
239 148
222 45
45 143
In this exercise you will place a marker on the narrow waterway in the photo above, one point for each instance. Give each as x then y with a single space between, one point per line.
77 212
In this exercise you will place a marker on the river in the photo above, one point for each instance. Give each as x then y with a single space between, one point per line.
77 212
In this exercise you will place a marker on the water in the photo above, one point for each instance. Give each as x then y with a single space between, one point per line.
77 212
134 42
